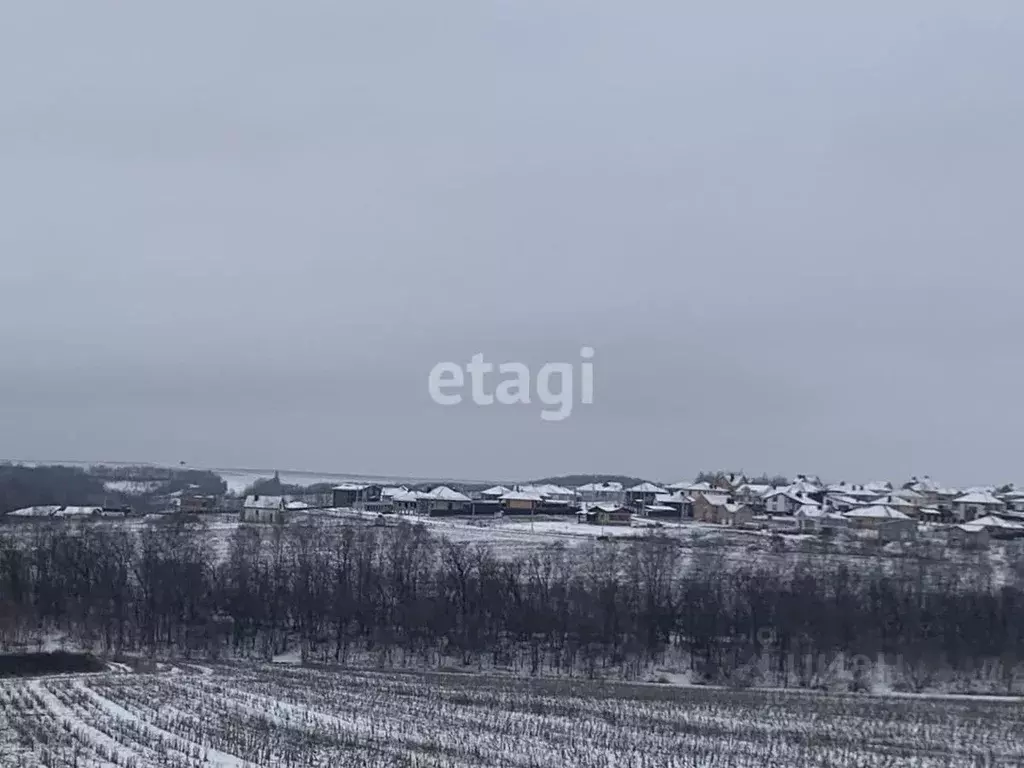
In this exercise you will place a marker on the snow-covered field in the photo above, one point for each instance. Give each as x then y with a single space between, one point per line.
132 487
290 716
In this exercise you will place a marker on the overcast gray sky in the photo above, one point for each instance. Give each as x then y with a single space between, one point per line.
240 233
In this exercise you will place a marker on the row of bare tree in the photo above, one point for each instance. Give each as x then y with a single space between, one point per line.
402 593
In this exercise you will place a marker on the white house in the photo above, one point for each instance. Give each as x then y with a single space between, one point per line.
643 493
784 501
406 503
908 494
994 524
444 501
976 503
751 493
601 493
875 516
550 492
1014 502
898 502
263 509
812 518
495 492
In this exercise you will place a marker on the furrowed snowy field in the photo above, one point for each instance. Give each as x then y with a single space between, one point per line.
291 716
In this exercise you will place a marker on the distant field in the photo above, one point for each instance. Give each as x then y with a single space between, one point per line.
290 716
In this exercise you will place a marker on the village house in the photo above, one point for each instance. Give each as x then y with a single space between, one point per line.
752 493
879 487
874 516
909 495
814 519
356 495
932 515
998 527
495 492
643 495
785 501
841 503
264 509
606 514
859 493
671 505
198 503
704 505
551 493
1014 501
443 501
898 502
406 503
976 503
520 503
719 509
934 495
600 493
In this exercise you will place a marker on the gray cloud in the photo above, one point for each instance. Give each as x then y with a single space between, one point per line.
244 233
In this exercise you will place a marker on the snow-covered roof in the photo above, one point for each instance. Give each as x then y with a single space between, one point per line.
407 497
604 507
809 510
756 489
547 489
264 502
979 497
908 494
77 511
40 511
670 498
716 499
390 493
804 487
55 510
350 487
297 505
970 527
608 487
646 488
521 496
444 493
815 512
789 493
878 486
924 484
497 490
930 511
877 512
839 498
896 501
991 521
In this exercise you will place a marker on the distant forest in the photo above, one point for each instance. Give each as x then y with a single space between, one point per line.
574 481
22 486
406 597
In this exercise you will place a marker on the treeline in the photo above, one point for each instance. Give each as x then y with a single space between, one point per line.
22 486
406 597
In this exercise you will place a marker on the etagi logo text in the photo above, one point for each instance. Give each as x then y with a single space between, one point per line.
554 384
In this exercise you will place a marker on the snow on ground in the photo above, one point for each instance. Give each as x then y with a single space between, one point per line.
232 716
132 487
